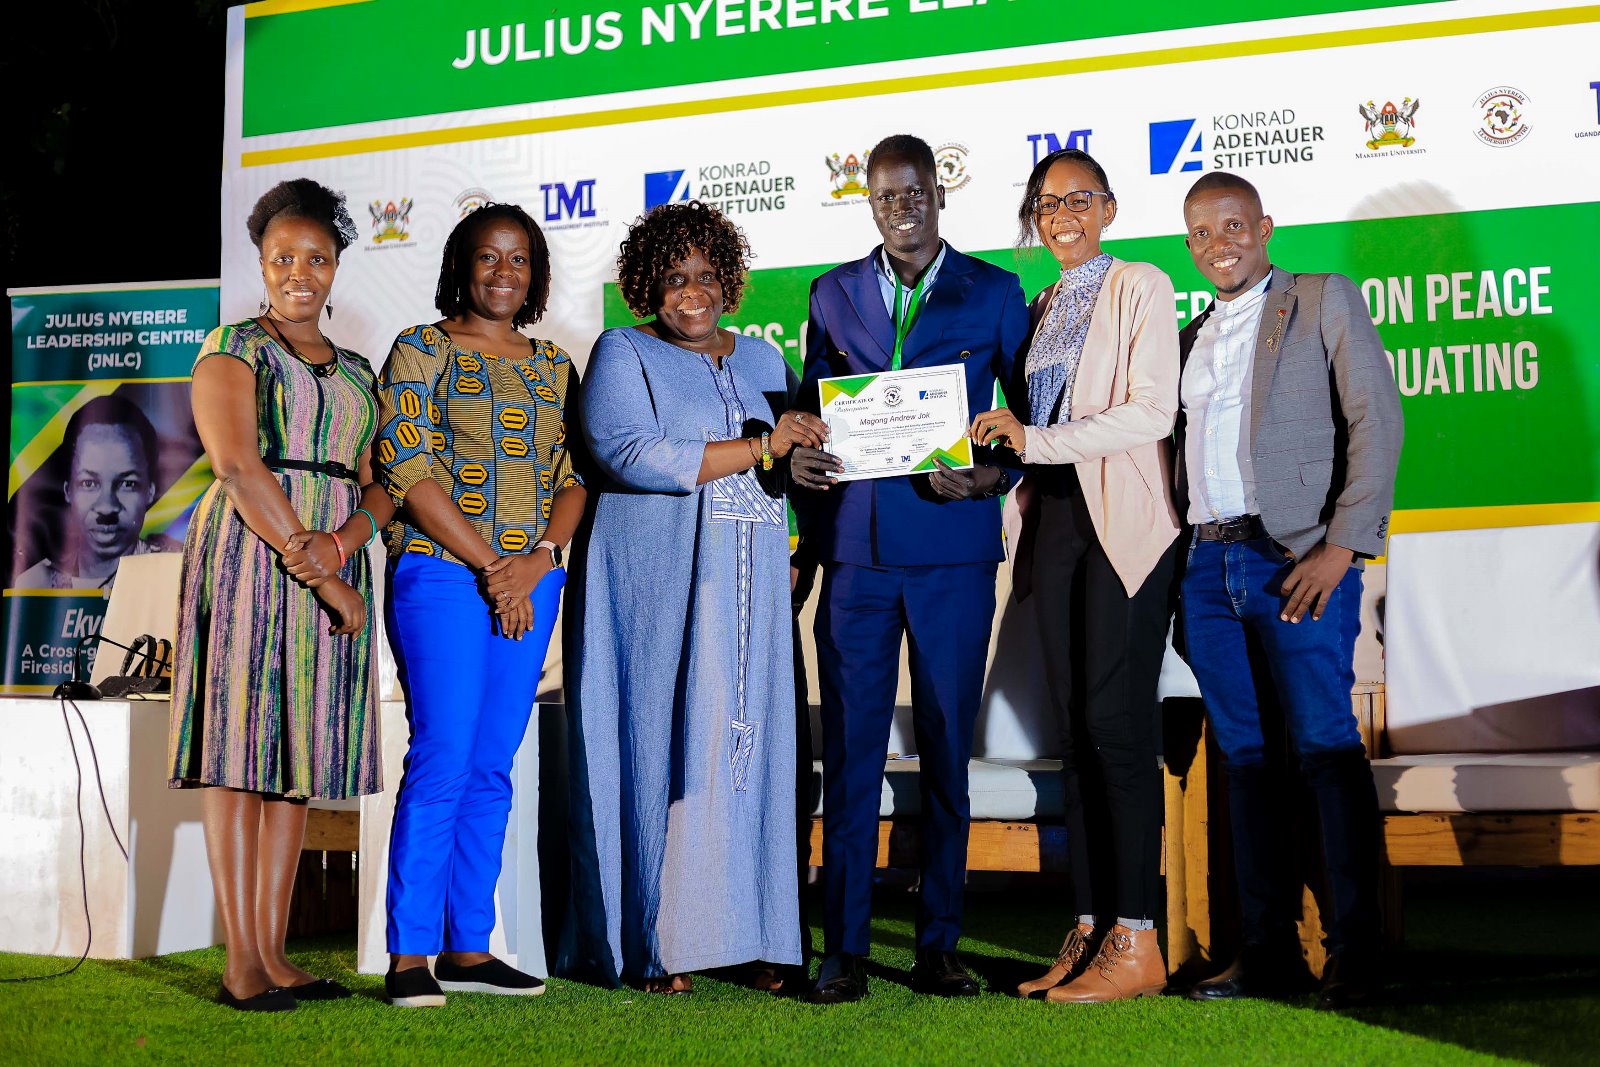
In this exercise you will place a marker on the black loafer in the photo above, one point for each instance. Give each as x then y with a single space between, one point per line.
319 989
413 987
490 976
841 980
270 1000
941 974
1350 980
1258 973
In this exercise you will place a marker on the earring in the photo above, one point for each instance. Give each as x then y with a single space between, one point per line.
328 307
266 305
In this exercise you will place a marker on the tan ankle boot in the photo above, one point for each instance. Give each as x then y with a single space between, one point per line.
1128 965
1069 961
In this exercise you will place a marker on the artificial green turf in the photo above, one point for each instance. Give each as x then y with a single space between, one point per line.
1504 968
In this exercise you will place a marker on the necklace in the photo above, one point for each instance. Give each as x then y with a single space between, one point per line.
321 370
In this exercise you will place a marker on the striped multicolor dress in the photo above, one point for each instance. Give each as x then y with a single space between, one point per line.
263 698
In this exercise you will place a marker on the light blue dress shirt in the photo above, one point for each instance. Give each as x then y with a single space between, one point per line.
886 279
1215 390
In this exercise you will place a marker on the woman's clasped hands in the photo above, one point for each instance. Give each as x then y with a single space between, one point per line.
508 584
312 558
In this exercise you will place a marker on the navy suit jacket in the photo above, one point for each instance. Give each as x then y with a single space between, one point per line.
974 315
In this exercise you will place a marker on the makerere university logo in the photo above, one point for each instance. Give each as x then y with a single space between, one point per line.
391 222
1391 130
743 187
849 177
1232 141
1503 117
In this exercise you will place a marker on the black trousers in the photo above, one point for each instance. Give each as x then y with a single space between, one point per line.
1102 653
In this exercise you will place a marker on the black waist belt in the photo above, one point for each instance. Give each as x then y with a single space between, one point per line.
331 469
1244 528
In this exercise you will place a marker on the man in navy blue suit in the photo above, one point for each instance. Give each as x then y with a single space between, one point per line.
906 556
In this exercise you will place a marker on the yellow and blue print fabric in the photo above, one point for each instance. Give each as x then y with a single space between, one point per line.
490 430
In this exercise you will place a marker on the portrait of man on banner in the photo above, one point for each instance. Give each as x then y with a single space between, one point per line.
90 505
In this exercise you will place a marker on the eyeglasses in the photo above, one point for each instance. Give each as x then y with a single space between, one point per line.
1077 202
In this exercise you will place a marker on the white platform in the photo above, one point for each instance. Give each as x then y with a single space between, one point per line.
157 901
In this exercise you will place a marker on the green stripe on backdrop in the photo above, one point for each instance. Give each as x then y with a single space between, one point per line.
393 59
1485 316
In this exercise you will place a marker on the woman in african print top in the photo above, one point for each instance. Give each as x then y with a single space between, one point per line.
473 448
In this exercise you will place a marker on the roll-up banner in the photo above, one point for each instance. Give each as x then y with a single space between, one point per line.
105 461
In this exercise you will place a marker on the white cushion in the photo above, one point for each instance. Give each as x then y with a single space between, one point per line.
1009 790
1508 781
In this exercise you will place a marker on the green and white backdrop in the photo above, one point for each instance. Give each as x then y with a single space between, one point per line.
1444 155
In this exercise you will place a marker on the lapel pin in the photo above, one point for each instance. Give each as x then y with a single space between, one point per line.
1277 330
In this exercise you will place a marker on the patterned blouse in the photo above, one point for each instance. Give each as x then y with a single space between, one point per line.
491 431
1053 360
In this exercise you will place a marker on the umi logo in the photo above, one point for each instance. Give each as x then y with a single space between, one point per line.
1044 144
561 202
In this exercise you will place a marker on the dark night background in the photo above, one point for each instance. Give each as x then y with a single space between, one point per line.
113 112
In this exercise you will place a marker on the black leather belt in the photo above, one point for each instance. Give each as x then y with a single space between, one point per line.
1244 528
332 468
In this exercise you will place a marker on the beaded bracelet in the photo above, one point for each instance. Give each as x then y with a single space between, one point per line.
373 521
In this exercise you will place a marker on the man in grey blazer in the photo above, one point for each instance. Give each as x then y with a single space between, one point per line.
1288 437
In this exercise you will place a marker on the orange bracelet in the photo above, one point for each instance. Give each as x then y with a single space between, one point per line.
340 546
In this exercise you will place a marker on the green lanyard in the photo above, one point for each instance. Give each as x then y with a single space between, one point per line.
903 320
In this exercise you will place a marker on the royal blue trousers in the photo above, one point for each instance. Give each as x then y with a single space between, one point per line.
469 694
946 612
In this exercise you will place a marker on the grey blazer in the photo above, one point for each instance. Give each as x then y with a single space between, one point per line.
1325 423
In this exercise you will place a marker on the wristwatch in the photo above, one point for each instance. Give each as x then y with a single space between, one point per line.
555 550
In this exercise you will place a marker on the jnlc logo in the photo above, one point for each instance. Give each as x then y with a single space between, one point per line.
568 204
1044 144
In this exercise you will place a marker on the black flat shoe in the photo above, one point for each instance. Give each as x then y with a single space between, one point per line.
319 989
490 976
270 1000
841 980
940 974
413 987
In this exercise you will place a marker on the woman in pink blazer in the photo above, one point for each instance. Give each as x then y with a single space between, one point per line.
1093 533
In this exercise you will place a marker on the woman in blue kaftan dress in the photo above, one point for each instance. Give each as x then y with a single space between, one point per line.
681 685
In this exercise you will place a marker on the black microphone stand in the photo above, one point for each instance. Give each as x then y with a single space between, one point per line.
77 688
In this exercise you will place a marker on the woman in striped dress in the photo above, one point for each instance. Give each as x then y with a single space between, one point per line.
272 699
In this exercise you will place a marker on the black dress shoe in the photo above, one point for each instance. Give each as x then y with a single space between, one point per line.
270 1000
319 989
841 980
1267 974
1350 980
941 974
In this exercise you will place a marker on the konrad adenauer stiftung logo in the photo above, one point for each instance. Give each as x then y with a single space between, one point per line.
1503 116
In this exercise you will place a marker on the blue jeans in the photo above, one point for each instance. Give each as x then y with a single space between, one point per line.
1231 601
1243 654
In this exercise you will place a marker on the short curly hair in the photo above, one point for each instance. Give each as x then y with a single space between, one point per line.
302 198
455 269
664 237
